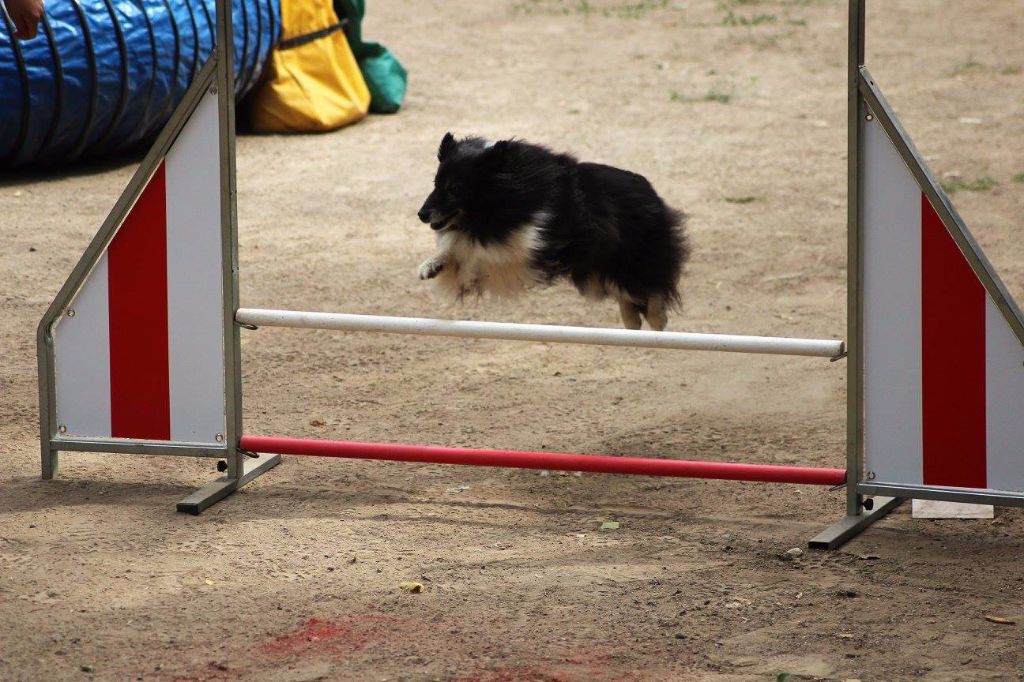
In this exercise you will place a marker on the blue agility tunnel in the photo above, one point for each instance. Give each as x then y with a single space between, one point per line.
103 76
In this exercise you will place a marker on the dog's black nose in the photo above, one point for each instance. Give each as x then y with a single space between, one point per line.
424 215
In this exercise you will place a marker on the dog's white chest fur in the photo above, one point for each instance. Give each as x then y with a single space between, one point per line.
465 266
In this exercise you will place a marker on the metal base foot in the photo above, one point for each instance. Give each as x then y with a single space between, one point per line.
210 494
840 533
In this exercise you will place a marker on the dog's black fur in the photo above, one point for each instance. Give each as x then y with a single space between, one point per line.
510 214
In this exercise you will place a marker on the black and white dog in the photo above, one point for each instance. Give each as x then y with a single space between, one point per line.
510 214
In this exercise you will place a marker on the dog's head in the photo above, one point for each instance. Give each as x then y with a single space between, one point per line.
464 183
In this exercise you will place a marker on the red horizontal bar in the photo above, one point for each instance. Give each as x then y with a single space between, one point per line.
601 464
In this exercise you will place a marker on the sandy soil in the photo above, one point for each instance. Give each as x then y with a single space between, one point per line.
297 577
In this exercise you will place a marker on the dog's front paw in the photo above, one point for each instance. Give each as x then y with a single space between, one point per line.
431 268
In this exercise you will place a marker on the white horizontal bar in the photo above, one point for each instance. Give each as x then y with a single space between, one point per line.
540 332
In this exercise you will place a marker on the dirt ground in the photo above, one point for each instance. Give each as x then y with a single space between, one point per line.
736 111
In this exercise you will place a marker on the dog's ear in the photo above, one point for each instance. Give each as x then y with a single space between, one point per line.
447 145
495 155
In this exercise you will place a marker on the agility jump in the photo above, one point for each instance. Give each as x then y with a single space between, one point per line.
140 353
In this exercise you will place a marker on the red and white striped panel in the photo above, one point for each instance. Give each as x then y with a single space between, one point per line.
142 357
943 370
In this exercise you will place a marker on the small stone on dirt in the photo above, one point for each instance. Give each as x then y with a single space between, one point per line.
869 557
794 553
610 525
88 669
999 620
412 586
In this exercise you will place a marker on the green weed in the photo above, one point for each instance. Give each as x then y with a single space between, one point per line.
982 184
587 8
970 65
733 19
717 93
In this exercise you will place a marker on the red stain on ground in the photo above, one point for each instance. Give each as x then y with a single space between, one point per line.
319 636
347 638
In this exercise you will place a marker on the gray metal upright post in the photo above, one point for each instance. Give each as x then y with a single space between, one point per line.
857 517
854 245
229 236
44 352
240 467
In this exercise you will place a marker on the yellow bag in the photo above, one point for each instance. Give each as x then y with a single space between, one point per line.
314 82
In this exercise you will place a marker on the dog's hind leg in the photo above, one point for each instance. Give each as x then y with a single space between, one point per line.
630 314
656 313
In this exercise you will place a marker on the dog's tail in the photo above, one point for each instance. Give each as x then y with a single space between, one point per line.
678 247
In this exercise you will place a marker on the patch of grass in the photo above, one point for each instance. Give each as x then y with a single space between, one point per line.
762 42
717 93
753 3
587 8
638 9
744 12
982 184
741 200
1019 178
733 19
970 65
1012 70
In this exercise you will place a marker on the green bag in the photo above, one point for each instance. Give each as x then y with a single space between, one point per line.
384 74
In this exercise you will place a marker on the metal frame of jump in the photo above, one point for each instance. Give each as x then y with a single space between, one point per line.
69 379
